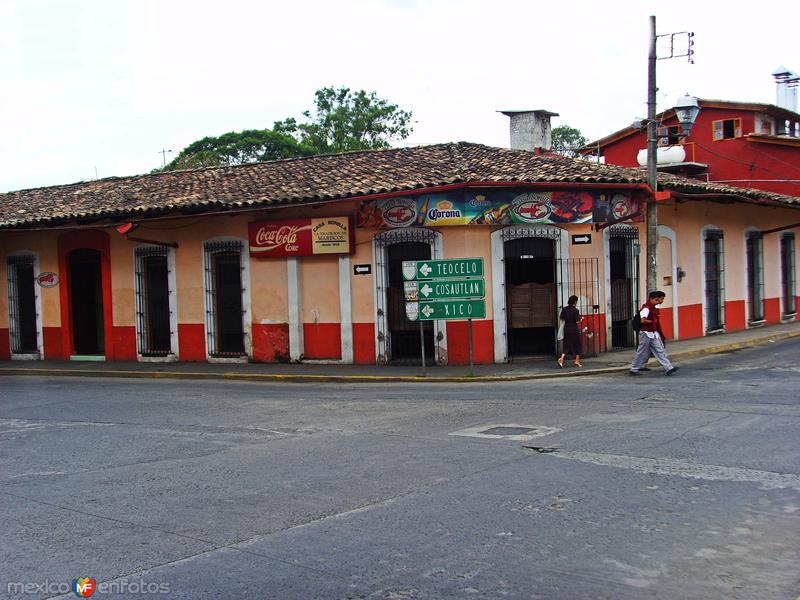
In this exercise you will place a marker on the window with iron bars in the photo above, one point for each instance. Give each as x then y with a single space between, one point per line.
153 313
755 276
788 270
224 288
22 313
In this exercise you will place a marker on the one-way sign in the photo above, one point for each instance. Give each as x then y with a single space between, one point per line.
585 238
362 269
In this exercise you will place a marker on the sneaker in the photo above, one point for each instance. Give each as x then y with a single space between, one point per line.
645 369
632 373
672 371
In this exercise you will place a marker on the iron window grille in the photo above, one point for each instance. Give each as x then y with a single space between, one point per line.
714 264
755 276
224 337
788 269
153 315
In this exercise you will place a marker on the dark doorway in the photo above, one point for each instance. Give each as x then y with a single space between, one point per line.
530 296
155 306
22 305
623 273
404 334
86 301
713 259
228 303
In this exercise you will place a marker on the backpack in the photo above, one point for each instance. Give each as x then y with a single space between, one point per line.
636 322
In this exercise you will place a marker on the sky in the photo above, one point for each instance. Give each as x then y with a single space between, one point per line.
99 88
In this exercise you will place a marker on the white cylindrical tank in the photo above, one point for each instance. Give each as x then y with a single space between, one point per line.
666 155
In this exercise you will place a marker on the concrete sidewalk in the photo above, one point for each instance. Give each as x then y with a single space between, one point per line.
538 368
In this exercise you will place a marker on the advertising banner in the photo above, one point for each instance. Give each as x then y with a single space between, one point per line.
300 237
501 207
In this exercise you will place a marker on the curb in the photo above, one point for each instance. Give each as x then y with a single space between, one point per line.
293 378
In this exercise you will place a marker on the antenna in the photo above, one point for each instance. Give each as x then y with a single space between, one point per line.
163 154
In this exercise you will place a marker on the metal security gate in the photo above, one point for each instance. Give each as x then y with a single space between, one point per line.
714 262
224 307
22 304
153 335
399 338
580 277
623 267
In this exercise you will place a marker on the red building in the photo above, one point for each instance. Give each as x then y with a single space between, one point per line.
735 143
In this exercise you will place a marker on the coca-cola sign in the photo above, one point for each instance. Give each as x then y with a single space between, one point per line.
47 279
300 237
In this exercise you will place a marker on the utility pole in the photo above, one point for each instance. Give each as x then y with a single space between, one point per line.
652 171
652 140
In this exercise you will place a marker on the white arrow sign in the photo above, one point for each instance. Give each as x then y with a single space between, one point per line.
427 310
426 290
581 239
425 269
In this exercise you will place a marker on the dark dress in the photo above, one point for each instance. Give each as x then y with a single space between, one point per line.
572 334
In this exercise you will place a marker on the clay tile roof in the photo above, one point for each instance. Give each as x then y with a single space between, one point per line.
328 177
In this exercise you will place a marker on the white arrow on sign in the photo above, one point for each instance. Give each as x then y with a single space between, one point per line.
427 310
580 239
362 269
426 290
425 269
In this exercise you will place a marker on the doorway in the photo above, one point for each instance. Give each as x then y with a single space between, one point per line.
404 335
22 304
623 267
531 305
86 302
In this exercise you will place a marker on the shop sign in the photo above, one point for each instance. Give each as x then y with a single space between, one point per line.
496 207
47 279
300 237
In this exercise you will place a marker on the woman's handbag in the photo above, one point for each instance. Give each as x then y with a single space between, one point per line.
560 334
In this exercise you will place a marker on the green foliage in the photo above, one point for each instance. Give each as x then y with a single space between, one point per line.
567 140
237 148
343 120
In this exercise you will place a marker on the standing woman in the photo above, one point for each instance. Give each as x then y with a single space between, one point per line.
572 333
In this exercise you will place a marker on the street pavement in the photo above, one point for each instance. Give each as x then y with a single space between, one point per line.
596 487
537 368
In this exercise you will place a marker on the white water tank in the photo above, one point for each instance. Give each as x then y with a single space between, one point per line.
666 155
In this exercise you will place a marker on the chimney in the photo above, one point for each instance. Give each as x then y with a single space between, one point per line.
786 83
530 129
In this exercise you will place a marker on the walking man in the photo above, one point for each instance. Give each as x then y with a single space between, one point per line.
651 337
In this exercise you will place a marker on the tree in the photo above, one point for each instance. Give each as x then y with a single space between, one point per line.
567 140
343 120
346 120
236 148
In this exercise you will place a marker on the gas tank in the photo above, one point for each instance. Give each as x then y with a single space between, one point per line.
665 155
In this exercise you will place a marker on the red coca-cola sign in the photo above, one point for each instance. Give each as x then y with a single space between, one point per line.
300 237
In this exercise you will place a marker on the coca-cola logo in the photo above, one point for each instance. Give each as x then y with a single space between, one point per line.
284 236
47 279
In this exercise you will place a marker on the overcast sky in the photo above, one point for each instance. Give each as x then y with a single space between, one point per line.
97 88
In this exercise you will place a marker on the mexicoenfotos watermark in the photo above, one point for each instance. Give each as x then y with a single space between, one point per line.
84 587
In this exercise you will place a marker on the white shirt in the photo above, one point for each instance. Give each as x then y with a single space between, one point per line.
645 314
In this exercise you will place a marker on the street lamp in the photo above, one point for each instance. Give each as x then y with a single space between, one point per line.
686 111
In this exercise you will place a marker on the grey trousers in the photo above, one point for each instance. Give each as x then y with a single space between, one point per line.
646 347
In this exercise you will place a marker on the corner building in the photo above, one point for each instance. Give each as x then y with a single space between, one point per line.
302 259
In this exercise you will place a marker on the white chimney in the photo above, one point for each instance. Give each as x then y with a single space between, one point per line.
786 83
530 129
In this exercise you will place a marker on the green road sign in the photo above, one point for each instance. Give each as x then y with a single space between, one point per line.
445 309
442 269
444 288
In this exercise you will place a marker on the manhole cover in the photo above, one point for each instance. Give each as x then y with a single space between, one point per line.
506 430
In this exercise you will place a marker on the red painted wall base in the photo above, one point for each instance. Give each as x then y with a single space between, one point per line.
458 342
363 343
322 341
191 342
271 342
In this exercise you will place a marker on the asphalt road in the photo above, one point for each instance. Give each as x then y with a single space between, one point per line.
650 487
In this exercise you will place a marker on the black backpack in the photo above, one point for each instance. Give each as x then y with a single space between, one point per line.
636 323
